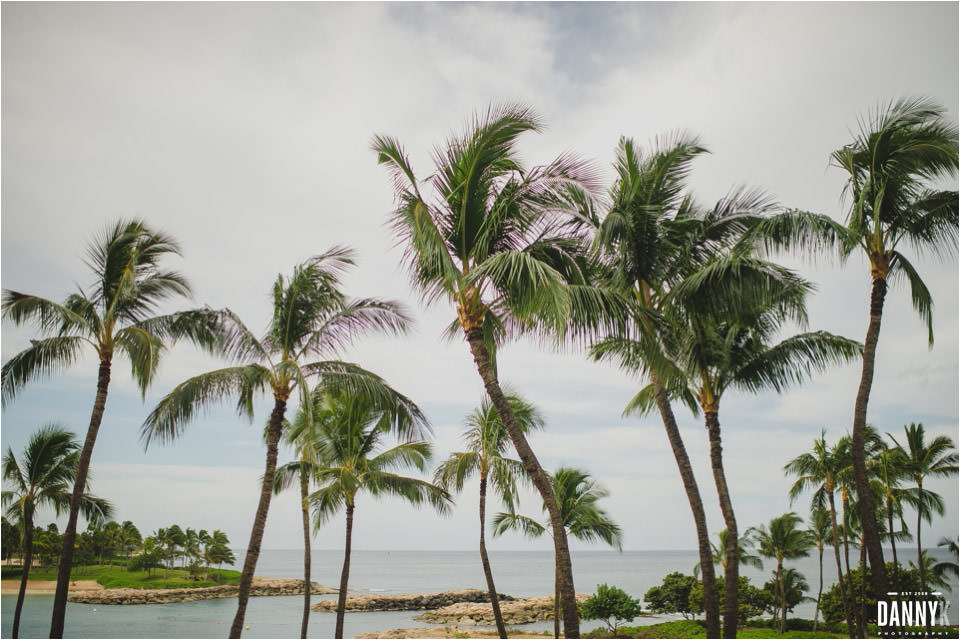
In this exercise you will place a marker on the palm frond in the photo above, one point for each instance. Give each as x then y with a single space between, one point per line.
175 410
42 358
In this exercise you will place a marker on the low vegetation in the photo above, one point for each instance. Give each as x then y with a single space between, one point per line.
116 577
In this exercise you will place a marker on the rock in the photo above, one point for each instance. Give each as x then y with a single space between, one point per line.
408 601
514 611
260 587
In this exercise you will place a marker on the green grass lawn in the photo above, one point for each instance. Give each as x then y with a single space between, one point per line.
117 577
693 629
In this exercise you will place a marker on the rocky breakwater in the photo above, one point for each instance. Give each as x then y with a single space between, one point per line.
409 601
516 611
260 587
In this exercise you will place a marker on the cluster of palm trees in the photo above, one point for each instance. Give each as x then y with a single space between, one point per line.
683 294
195 549
896 472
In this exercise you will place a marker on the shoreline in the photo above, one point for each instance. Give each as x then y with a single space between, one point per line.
91 592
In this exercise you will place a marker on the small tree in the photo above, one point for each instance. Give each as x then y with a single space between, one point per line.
673 595
610 603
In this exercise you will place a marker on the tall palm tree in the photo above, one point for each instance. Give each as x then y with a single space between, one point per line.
305 439
712 355
921 460
43 477
577 496
311 317
820 470
113 315
499 243
889 471
349 434
642 239
820 533
706 305
782 540
486 455
899 152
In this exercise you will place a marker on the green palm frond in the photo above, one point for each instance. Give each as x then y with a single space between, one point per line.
167 421
42 358
510 521
48 316
794 359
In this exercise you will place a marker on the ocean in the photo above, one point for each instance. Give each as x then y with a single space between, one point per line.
518 573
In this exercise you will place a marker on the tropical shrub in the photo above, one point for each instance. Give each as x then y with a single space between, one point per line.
610 604
751 601
673 595
831 606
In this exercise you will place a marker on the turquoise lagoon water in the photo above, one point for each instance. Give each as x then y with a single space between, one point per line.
517 573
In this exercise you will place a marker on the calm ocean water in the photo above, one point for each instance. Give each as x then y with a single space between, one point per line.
517 573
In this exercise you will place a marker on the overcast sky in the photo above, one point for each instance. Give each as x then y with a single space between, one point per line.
244 130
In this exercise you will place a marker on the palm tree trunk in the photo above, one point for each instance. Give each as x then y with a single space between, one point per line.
571 616
344 575
851 629
862 613
260 520
79 484
923 576
816 612
25 574
305 512
783 597
711 606
846 520
865 498
731 570
893 542
556 603
485 561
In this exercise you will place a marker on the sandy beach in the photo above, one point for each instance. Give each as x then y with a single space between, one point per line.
47 586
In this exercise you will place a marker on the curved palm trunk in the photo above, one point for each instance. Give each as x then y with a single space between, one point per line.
816 612
70 532
260 520
731 570
305 513
568 601
25 574
485 561
865 497
851 630
923 575
711 606
344 575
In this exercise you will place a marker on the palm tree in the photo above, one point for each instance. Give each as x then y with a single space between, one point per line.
43 477
112 316
349 431
888 467
311 318
642 240
783 541
577 496
499 243
744 544
712 355
920 460
303 436
899 152
820 470
486 455
129 539
942 568
821 534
